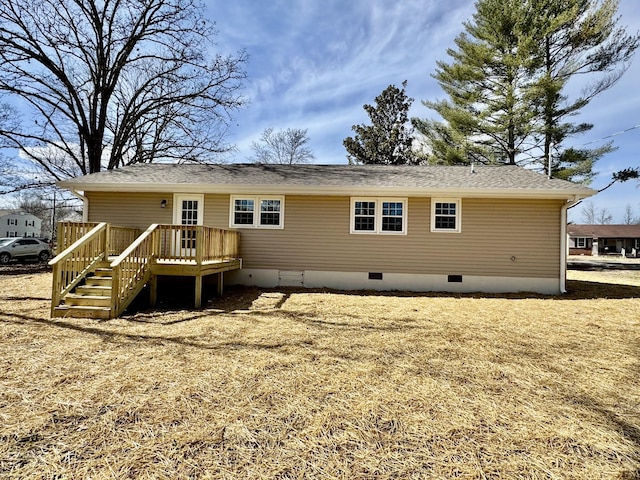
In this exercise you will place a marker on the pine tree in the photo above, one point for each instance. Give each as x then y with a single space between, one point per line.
388 140
575 37
508 79
487 116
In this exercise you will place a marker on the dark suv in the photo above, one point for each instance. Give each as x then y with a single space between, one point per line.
22 249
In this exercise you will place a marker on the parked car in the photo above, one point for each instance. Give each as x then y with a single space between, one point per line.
23 248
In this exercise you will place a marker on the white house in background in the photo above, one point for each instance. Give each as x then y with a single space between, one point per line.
16 223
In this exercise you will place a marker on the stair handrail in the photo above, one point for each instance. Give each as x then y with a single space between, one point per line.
132 269
78 259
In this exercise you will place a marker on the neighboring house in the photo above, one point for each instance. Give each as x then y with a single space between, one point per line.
604 240
419 228
15 223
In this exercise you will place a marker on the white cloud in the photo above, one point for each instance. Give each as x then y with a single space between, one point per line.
314 64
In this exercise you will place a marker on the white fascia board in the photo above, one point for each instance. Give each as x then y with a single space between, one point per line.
241 189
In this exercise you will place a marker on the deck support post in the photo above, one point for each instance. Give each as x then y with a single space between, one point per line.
220 283
198 302
153 290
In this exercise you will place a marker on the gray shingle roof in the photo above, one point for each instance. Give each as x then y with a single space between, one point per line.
307 178
604 231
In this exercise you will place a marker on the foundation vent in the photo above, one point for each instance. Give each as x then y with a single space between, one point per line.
291 278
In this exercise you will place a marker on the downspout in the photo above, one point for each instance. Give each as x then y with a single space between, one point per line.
563 242
85 204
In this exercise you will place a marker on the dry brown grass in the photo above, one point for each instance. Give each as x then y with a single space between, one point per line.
285 384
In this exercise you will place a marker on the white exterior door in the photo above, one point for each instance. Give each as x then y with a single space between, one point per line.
187 210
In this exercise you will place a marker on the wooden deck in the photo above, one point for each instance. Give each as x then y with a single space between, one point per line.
100 269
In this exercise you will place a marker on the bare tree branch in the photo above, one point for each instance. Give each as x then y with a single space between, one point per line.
115 82
284 146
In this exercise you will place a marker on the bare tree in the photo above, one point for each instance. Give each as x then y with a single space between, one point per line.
629 217
115 82
283 146
589 213
595 216
604 217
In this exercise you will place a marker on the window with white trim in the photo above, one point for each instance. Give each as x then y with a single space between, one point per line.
581 242
29 223
385 216
253 211
12 221
446 215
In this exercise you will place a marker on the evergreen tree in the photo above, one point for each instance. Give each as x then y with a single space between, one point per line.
507 83
575 37
388 139
487 116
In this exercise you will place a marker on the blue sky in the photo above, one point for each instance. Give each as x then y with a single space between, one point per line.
314 64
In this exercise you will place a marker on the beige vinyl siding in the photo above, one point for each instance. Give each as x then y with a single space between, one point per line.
316 235
138 210
142 209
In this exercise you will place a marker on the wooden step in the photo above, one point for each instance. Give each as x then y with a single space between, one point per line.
98 281
87 300
98 290
103 272
77 311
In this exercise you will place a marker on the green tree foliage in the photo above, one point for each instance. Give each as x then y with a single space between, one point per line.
115 82
508 78
487 116
288 146
575 38
388 140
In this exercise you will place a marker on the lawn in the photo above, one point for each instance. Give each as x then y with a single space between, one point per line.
288 384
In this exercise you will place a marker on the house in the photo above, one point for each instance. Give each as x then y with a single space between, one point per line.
418 228
16 223
604 240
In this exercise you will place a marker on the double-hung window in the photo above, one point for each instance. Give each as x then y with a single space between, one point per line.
446 215
379 215
581 242
252 211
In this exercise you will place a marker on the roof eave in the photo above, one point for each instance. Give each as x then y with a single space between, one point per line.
240 189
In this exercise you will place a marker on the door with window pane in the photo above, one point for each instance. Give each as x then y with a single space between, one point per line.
187 211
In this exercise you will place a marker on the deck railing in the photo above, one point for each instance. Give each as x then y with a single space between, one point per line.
119 238
196 243
172 243
75 261
132 269
86 244
69 233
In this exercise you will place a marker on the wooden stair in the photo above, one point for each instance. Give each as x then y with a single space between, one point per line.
92 299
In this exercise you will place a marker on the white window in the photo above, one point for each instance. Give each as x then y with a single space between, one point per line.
12 234
12 221
30 223
446 215
256 212
379 215
581 242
